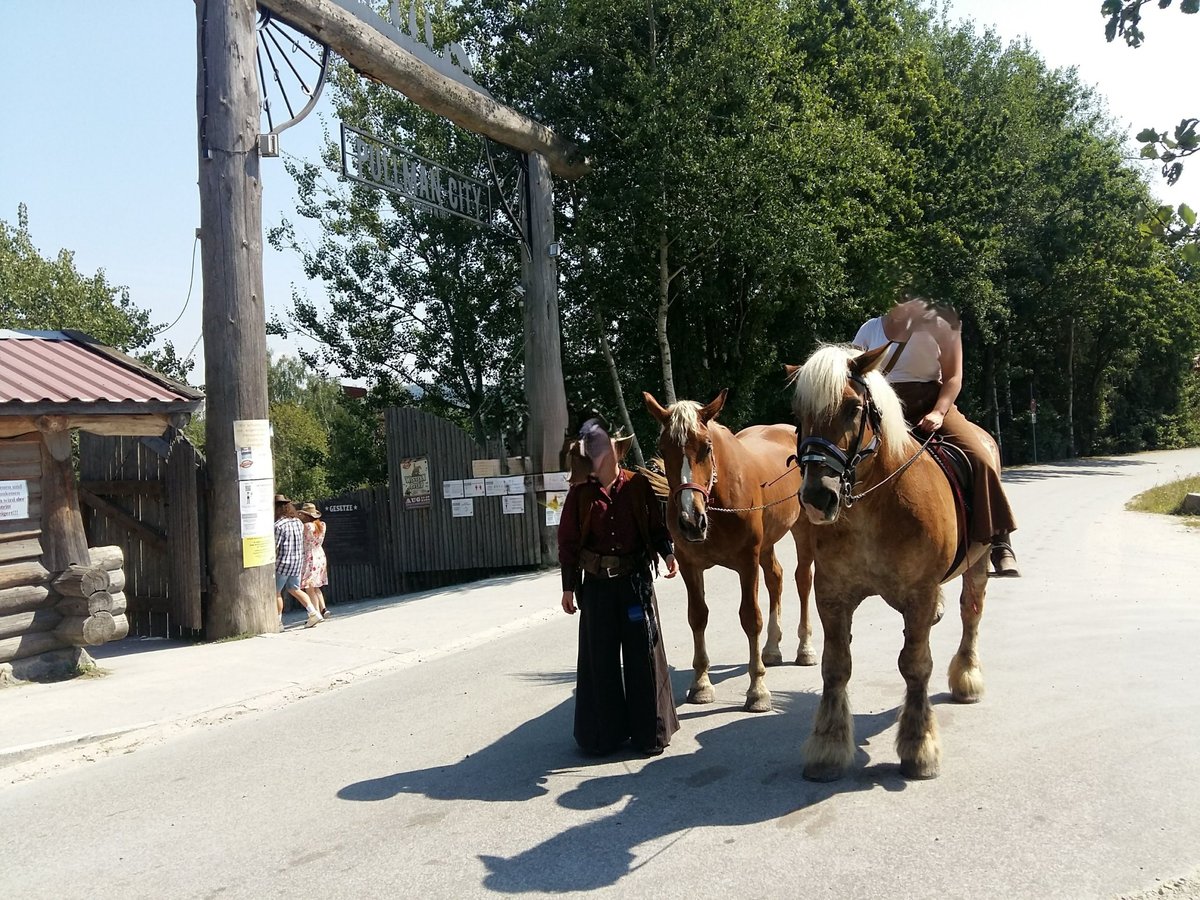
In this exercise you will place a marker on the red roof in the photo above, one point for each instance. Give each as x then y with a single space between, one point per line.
57 367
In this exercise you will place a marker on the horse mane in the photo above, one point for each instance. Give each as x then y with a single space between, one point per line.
821 383
684 421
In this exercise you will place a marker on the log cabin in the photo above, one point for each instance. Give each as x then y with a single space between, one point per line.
57 594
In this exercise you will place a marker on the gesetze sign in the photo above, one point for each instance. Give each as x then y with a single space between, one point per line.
375 162
349 537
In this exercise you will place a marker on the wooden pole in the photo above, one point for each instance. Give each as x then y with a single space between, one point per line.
63 539
379 58
544 391
241 600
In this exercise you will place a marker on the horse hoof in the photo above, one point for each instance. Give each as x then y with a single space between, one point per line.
701 695
958 697
772 658
806 658
823 773
758 704
918 771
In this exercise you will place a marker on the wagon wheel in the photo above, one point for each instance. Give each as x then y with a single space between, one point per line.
291 72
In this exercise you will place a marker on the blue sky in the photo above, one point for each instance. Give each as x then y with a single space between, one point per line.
99 123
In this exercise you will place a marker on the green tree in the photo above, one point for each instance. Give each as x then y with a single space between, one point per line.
43 294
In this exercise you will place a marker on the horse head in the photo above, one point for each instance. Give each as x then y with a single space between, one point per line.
685 446
845 412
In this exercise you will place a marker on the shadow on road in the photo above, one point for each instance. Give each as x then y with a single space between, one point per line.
1072 468
747 770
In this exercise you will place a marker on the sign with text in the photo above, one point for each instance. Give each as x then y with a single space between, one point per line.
349 538
414 481
375 162
256 504
14 500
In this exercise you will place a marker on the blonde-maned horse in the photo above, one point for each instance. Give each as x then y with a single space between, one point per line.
723 511
900 541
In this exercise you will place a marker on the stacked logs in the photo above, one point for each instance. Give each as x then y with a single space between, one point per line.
93 602
83 606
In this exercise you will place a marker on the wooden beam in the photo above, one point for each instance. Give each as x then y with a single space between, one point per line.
23 574
377 56
123 488
12 426
24 598
151 535
134 422
30 645
26 548
29 622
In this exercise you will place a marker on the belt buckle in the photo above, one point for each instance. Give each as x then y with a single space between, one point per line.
608 572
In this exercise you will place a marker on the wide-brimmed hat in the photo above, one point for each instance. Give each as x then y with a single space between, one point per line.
310 509
280 498
593 428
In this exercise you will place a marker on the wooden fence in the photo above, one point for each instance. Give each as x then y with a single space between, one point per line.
380 542
146 496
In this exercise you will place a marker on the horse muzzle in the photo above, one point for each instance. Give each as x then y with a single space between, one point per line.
693 530
821 499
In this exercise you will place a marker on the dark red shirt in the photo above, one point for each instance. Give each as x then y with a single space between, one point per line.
612 527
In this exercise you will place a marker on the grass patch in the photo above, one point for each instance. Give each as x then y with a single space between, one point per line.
90 670
245 635
1167 499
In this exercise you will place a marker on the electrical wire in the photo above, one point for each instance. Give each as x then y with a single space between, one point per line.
188 298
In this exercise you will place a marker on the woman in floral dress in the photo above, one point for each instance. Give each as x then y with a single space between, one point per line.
315 574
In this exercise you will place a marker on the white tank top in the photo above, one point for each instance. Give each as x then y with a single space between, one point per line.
919 361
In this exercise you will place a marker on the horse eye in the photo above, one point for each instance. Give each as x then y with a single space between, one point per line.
703 452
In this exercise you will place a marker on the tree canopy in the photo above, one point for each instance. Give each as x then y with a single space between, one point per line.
767 176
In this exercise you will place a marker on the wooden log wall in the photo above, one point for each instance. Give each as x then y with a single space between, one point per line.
27 614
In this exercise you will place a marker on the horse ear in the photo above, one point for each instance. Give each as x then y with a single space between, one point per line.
655 408
868 361
790 371
709 412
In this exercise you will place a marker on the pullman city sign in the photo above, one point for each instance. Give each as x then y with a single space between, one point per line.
380 164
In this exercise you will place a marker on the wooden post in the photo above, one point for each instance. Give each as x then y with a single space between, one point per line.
63 540
544 391
235 342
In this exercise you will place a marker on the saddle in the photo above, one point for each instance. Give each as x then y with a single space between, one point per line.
957 469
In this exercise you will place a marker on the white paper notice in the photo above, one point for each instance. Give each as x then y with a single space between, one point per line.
256 502
554 505
473 487
452 489
14 500
516 484
462 508
252 444
514 504
556 481
553 516
496 487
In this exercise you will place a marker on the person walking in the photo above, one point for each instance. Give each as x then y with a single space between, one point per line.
926 371
609 535
289 560
315 574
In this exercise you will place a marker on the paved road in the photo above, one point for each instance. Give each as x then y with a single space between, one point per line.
1075 777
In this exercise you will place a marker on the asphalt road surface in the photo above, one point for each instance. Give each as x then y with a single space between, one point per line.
1077 776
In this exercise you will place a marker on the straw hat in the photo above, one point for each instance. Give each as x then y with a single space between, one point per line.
310 509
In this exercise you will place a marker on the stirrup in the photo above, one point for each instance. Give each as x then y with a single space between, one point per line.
1004 562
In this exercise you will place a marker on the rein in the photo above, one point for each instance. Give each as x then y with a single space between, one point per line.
705 492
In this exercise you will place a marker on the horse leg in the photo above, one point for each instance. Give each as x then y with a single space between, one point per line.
758 698
805 654
917 741
773 575
829 750
966 676
701 690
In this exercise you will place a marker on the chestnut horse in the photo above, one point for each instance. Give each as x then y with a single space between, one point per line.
899 541
722 511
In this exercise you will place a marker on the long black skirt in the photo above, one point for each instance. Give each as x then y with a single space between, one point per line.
623 685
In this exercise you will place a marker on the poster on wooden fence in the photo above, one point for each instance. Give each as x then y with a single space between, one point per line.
554 505
552 481
14 500
257 508
514 504
463 508
452 489
252 443
496 487
414 481
474 487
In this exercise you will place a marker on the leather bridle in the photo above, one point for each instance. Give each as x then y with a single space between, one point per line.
693 486
841 462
